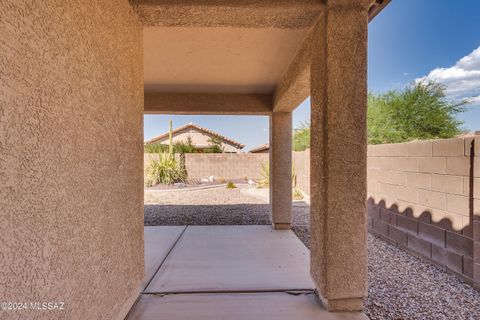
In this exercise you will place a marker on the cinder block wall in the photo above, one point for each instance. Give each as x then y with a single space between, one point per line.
422 197
239 165
301 161
474 189
71 190
226 165
221 165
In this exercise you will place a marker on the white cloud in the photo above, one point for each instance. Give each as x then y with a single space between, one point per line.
462 79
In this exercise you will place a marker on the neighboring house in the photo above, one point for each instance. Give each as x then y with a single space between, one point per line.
200 137
264 148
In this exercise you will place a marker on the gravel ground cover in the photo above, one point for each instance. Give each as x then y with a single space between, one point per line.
191 184
401 286
204 207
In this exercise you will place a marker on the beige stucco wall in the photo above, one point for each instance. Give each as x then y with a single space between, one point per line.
199 139
71 198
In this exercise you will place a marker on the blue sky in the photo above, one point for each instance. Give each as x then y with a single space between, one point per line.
408 40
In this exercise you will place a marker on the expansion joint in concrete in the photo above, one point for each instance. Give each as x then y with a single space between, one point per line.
298 291
165 259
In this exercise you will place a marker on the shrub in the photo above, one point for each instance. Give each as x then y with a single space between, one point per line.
231 185
264 181
297 194
155 148
184 146
166 170
214 146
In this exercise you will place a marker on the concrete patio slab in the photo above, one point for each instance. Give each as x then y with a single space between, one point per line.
158 242
254 306
234 258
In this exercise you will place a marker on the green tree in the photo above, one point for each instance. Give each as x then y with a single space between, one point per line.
301 136
182 147
214 145
420 111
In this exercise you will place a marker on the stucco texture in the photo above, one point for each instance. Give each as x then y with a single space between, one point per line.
291 14
339 159
71 189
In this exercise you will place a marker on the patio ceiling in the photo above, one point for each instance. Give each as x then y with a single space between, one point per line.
250 54
217 59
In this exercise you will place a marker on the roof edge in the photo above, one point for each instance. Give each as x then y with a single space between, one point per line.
192 125
376 8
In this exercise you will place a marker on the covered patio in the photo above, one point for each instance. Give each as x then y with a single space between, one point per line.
214 272
77 78
265 58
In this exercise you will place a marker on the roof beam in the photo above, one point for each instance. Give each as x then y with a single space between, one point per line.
291 14
207 103
294 87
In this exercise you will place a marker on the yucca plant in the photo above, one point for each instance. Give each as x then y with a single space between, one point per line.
166 170
264 181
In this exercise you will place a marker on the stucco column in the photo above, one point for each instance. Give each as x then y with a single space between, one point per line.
281 169
338 156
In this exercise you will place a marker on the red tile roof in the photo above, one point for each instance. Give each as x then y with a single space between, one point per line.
194 126
260 148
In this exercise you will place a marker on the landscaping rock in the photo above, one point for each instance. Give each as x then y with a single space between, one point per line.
401 286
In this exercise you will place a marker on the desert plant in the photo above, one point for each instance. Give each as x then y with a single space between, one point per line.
148 181
214 146
170 137
166 170
297 194
231 185
294 174
264 181
184 146
155 148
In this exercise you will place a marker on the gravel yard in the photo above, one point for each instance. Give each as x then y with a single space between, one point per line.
401 286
